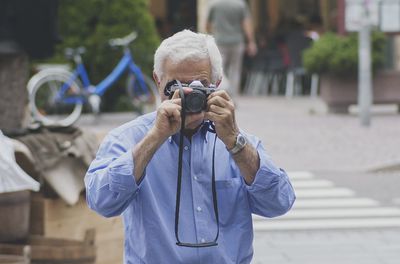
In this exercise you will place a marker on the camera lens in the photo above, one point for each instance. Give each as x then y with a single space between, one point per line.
195 101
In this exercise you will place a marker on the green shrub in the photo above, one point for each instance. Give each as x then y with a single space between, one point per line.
91 23
338 55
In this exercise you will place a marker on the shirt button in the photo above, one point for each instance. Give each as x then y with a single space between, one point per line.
202 240
198 209
185 147
195 178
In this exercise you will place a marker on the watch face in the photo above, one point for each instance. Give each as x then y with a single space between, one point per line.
239 145
241 140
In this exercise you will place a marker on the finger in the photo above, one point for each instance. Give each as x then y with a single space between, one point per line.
176 94
223 93
218 110
176 115
213 117
167 107
176 101
186 90
222 102
171 103
172 111
217 100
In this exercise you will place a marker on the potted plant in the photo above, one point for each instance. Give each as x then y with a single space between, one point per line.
335 59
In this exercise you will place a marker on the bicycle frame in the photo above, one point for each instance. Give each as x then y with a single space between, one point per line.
126 63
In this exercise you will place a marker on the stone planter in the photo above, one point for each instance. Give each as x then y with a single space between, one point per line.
339 93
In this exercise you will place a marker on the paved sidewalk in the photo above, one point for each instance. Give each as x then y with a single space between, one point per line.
300 135
328 247
323 205
330 224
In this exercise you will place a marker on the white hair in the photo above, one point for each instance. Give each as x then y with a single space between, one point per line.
188 45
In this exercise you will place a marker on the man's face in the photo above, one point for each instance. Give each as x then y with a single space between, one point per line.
186 72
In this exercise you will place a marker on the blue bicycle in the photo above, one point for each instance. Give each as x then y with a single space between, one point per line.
56 95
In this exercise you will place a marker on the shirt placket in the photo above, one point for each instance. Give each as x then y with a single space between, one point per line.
200 209
187 183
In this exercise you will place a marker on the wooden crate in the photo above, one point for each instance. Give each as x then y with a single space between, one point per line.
14 216
54 218
44 250
13 256
12 259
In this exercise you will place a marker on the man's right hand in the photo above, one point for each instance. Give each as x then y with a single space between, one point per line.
168 120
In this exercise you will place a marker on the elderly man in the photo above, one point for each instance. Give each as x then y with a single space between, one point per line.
135 171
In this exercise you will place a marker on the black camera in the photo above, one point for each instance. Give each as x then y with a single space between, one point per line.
196 100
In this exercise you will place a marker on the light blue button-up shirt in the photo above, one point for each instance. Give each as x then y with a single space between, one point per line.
148 207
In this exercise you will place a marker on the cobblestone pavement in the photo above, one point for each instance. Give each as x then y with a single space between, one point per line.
345 213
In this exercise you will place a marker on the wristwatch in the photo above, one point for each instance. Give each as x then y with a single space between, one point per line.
241 141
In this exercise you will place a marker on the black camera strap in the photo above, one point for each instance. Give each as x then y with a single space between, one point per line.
179 184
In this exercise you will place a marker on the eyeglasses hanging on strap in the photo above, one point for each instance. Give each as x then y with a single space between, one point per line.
179 182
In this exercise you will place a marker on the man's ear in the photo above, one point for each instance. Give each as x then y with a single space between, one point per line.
156 79
218 82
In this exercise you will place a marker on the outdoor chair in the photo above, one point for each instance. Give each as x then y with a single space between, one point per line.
267 73
297 77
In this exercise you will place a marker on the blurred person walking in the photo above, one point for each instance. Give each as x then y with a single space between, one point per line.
230 23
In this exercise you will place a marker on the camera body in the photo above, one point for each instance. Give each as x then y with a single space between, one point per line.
196 100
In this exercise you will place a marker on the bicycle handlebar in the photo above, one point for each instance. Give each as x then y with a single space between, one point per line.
76 53
125 41
69 52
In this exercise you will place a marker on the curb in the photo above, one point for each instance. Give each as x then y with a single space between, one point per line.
393 166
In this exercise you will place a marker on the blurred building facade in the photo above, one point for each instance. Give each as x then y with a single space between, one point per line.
271 18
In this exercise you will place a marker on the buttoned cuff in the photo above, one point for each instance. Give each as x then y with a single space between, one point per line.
120 174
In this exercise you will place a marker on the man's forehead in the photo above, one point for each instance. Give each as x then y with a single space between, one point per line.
173 81
187 68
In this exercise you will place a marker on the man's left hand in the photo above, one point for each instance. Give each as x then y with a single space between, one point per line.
221 110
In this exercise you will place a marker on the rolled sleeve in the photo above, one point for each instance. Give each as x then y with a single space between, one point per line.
110 184
271 193
121 174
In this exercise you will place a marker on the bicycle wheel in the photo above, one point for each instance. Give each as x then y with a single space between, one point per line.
55 98
145 99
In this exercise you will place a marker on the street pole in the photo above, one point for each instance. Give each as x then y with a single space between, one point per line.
364 70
